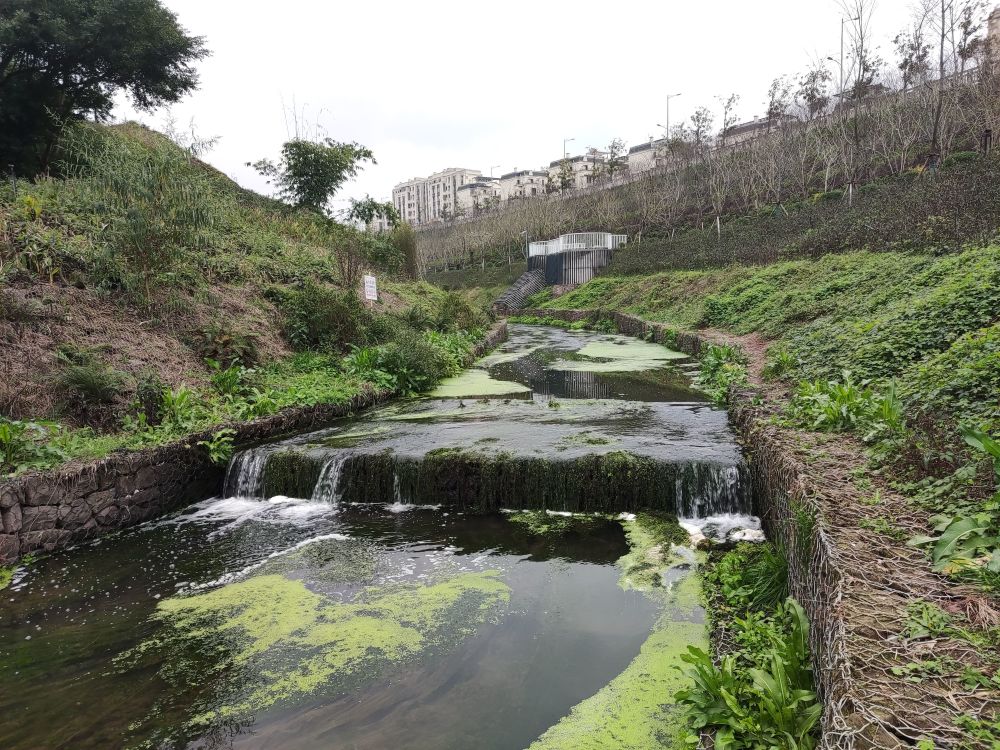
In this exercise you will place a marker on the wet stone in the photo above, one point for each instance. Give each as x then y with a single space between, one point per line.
9 548
74 515
11 519
47 540
9 496
39 517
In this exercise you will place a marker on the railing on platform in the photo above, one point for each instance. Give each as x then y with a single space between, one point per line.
577 241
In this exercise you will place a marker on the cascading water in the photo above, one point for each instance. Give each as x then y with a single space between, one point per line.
245 474
326 489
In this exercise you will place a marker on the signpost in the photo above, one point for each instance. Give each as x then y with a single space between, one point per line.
371 290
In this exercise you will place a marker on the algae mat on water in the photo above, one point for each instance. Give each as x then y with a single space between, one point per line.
636 710
270 639
475 382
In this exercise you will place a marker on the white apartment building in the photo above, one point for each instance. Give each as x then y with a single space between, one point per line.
646 156
423 200
583 169
408 198
526 183
473 197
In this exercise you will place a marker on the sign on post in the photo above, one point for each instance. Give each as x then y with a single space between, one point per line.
371 290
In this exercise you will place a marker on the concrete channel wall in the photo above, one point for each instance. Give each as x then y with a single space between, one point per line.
45 511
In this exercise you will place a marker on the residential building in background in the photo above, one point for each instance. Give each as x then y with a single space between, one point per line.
526 183
646 156
408 197
581 171
424 200
473 197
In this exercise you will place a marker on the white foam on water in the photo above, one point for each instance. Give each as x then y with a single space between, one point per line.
720 527
238 574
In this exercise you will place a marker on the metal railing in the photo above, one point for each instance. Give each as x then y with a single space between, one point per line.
577 241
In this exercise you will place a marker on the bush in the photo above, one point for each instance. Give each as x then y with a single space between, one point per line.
90 388
456 314
751 577
220 343
320 318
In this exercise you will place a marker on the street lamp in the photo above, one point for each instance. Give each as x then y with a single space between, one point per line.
495 166
565 141
843 22
666 127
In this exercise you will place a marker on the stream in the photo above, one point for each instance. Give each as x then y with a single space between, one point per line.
455 571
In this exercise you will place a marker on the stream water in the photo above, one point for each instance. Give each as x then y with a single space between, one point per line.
321 618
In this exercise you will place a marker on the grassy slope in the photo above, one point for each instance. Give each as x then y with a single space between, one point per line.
67 282
928 322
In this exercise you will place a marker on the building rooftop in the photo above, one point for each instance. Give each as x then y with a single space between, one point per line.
523 173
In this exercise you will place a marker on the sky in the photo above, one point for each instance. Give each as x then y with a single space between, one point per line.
436 84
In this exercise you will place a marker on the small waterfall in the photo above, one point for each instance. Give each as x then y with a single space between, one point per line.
245 474
704 490
326 489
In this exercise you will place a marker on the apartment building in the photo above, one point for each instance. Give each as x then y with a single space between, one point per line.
647 155
424 200
581 170
526 183
408 198
473 197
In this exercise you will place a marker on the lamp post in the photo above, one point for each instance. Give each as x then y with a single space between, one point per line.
495 166
666 127
565 141
843 22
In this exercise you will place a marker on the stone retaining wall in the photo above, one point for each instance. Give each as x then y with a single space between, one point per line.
44 511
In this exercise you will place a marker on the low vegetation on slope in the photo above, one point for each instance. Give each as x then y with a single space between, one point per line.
144 296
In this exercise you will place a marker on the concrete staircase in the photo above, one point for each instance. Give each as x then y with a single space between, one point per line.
529 283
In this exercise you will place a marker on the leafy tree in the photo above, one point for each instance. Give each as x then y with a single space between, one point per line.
617 161
66 59
368 209
311 172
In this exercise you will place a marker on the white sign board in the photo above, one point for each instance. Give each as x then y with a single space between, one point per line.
371 291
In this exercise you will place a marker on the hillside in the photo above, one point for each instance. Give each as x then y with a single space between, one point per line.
143 294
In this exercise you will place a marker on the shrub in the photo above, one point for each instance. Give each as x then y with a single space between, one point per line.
456 314
220 343
323 319
90 387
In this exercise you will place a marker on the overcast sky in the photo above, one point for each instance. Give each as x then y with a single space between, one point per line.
428 85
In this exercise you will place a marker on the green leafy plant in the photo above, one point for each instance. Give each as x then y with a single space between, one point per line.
220 445
721 367
845 405
969 540
771 705
179 407
27 445
751 577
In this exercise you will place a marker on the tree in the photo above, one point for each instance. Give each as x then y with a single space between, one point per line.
368 209
310 172
566 178
617 161
66 59
812 92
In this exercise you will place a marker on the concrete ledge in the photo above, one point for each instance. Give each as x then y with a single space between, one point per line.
45 511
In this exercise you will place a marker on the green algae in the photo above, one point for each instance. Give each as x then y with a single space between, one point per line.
543 523
650 538
475 382
272 640
629 349
635 711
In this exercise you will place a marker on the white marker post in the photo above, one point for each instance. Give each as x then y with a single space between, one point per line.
371 290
